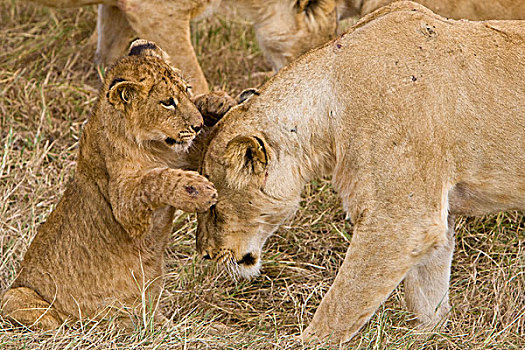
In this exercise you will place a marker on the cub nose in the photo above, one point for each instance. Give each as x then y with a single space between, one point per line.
196 128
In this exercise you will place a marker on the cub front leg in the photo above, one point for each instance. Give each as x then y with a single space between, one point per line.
381 253
134 196
213 106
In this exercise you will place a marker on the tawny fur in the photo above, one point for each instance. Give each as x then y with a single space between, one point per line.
475 10
100 252
417 119
284 28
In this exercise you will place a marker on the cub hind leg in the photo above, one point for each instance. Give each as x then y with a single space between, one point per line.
427 284
24 306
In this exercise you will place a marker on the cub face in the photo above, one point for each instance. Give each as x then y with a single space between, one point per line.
153 100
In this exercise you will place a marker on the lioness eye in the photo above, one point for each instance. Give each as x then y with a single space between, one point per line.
188 88
170 103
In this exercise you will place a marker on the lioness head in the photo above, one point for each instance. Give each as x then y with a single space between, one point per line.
150 100
287 29
250 204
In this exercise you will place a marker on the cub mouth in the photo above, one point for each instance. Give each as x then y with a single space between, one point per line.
184 137
171 141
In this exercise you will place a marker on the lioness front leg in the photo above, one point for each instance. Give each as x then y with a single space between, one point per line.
381 253
426 285
167 23
134 196
114 34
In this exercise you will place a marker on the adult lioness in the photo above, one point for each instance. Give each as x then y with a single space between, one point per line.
417 118
102 247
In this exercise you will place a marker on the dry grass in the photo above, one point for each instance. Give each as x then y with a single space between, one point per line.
47 88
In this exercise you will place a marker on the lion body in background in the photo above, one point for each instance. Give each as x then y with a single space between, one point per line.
474 10
284 28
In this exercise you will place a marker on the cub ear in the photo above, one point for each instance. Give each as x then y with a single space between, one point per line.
246 161
141 47
122 92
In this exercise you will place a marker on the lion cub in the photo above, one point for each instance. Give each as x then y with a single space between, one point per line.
102 247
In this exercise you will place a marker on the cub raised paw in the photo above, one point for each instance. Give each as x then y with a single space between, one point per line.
195 193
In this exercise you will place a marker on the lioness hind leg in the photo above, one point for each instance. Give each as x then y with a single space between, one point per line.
426 285
24 306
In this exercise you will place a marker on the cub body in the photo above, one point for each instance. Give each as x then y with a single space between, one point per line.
101 249
417 119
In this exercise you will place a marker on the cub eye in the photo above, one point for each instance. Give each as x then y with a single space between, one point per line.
170 103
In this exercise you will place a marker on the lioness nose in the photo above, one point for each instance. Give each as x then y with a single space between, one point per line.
196 128
247 259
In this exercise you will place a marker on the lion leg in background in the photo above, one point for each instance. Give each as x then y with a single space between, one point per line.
427 284
167 23
390 238
24 306
114 34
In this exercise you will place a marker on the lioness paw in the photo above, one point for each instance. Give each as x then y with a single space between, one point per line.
315 335
196 193
213 106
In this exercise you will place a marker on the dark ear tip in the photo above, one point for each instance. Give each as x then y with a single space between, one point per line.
246 94
141 47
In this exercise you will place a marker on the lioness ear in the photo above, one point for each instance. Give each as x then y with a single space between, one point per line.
122 92
246 160
246 94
